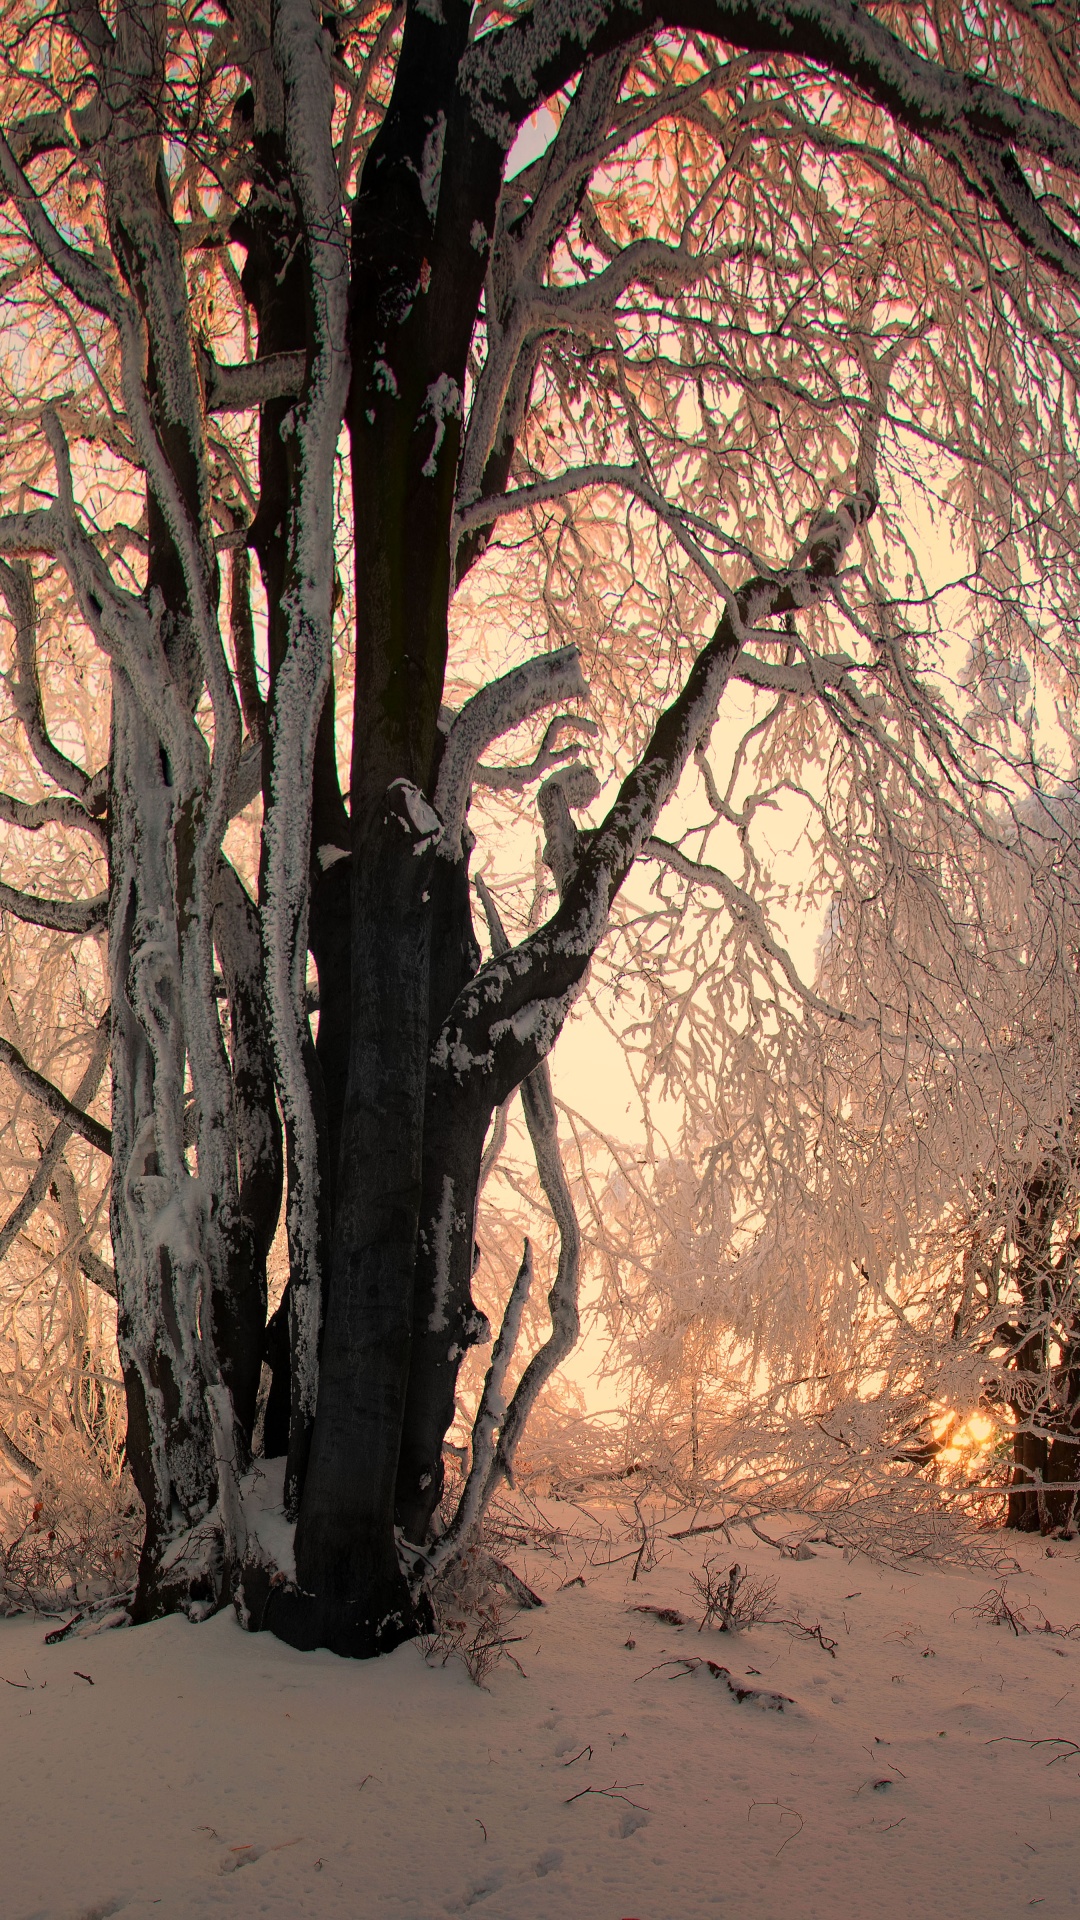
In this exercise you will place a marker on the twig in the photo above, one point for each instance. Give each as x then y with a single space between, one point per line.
1048 1740
614 1792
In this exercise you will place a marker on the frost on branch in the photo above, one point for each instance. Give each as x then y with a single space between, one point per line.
496 710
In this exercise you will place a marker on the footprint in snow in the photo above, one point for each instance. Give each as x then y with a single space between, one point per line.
549 1862
477 1891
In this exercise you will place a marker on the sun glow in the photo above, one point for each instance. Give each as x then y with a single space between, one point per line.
964 1440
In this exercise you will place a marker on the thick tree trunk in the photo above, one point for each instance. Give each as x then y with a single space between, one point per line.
430 177
169 1443
352 1594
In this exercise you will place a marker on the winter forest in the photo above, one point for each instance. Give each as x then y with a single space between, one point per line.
540 944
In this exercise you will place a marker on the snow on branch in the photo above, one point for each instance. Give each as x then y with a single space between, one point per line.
540 1117
482 1477
121 623
493 1461
49 1096
575 786
499 707
599 473
744 907
1018 206
246 384
817 673
481 513
508 1016
15 1456
52 1152
247 778
301 54
76 271
56 810
17 589
549 754
506 74
63 916
91 1265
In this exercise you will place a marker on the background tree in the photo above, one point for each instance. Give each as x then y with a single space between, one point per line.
659 347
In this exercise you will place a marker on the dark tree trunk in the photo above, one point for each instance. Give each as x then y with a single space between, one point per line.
352 1594
416 287
1046 1446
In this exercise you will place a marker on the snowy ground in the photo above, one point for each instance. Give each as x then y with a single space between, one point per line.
182 1771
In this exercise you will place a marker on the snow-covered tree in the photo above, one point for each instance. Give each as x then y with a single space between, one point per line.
632 316
876 1235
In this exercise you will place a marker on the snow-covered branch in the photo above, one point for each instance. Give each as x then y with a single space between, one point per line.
50 1097
548 754
77 271
744 907
573 786
243 385
481 513
302 61
54 1147
499 707
55 810
63 916
509 73
490 1418
17 588
507 1018
493 1461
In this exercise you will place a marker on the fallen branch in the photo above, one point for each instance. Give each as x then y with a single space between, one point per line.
757 1696
614 1792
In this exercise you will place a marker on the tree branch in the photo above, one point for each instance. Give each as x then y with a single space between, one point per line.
493 1462
49 1096
63 916
549 754
744 907
510 72
39 1185
17 588
499 707
248 384
55 810
508 1016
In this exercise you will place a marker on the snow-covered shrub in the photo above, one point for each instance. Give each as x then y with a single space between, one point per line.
71 1538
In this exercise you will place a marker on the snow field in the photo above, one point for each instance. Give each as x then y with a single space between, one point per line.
183 1771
